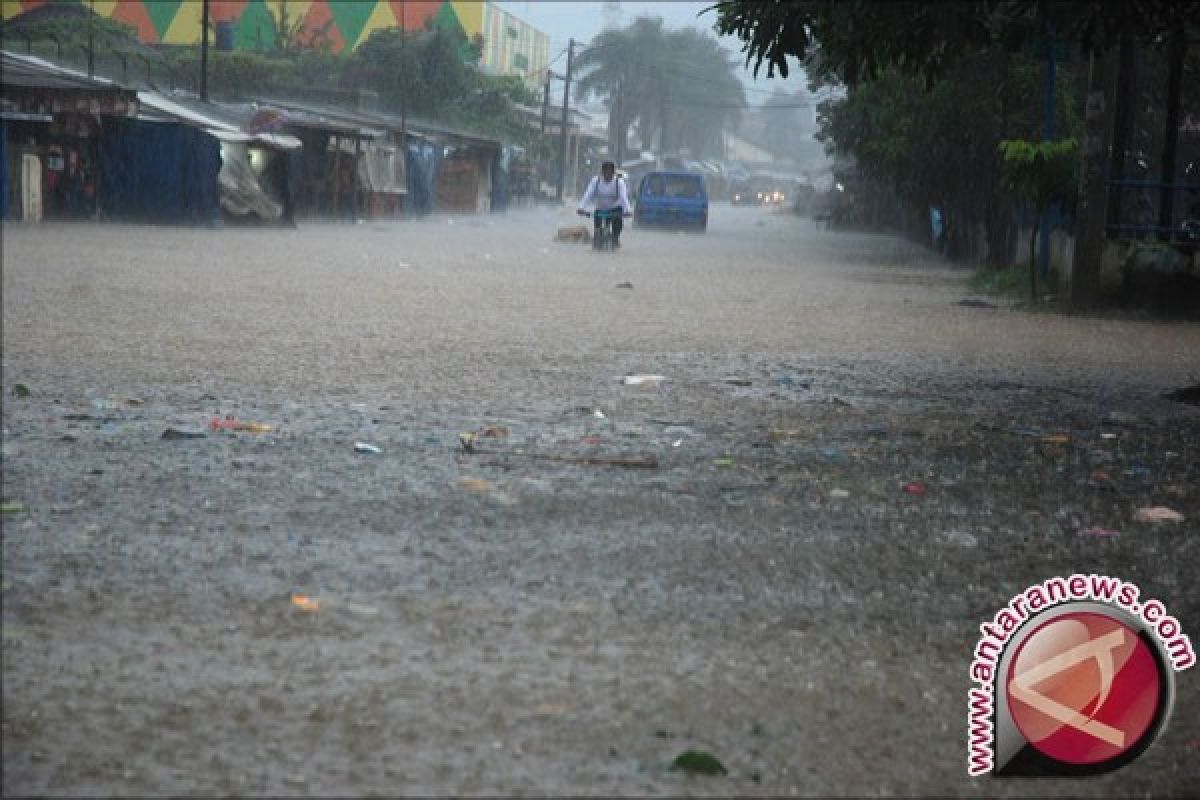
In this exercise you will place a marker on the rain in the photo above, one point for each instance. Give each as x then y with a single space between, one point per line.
357 466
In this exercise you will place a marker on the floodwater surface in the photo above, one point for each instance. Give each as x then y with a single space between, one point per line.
546 581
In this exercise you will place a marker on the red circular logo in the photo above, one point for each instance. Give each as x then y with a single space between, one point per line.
1084 688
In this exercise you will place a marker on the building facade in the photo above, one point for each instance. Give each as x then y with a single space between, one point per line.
510 45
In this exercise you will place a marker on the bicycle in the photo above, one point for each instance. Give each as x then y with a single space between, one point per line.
605 237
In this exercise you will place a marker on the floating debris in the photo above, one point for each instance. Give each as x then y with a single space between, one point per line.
305 603
1158 514
1097 531
183 433
698 762
643 380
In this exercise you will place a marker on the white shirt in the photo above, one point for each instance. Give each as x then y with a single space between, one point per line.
607 194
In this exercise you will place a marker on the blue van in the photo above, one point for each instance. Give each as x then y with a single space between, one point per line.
671 199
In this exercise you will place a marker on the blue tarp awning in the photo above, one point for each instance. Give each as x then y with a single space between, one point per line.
158 172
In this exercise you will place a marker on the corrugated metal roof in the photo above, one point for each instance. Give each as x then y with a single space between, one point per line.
36 73
374 122
159 107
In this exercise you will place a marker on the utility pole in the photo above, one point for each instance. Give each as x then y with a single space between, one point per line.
662 132
618 129
403 82
562 155
204 51
91 38
546 100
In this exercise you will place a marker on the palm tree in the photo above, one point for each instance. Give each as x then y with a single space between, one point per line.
615 65
703 96
651 77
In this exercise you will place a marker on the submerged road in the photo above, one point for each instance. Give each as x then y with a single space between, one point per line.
546 581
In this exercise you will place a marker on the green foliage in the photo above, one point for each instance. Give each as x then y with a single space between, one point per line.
72 32
424 75
938 145
859 39
231 74
421 73
488 109
430 74
653 77
289 27
315 67
1040 173
999 282
932 136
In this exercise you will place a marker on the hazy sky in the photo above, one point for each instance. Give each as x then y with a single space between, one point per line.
566 19
563 19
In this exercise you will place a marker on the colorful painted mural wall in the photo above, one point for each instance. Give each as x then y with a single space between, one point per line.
255 24
512 46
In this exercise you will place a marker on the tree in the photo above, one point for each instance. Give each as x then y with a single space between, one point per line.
679 88
72 29
857 41
859 38
938 145
427 73
615 65
425 70
1041 174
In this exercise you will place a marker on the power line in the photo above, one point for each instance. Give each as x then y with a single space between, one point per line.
659 66
676 104
541 70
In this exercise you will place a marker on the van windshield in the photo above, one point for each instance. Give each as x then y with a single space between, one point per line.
688 186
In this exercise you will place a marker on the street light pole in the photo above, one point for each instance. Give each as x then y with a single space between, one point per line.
403 82
91 38
204 51
562 150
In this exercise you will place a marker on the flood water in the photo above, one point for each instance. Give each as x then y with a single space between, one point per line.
547 581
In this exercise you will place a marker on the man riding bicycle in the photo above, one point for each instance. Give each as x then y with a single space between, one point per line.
608 192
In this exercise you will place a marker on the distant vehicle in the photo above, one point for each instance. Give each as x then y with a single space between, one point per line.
671 199
758 191
742 193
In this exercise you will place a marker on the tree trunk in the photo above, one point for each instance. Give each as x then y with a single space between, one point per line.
1090 222
1033 235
